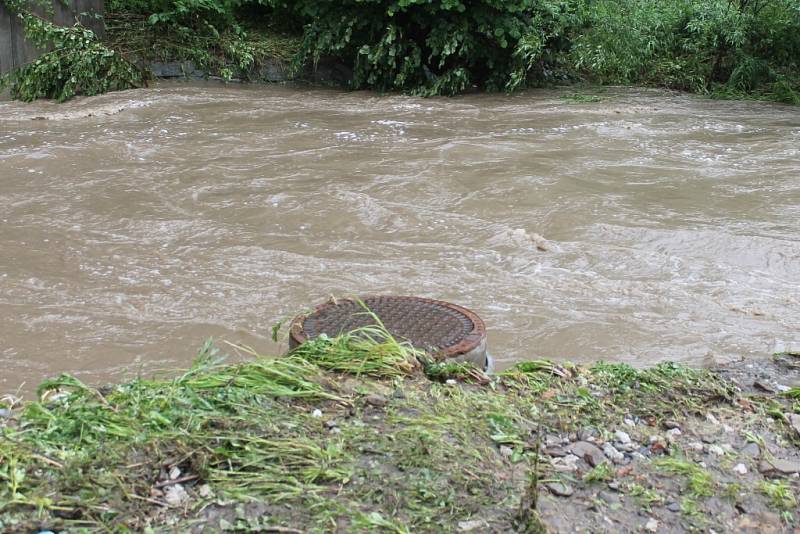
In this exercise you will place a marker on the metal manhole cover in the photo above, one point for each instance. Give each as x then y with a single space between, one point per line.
435 326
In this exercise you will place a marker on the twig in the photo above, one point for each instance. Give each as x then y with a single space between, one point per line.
165 483
147 499
47 460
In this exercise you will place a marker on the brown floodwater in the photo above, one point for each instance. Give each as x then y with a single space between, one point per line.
644 227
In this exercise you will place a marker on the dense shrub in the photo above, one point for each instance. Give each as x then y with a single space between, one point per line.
437 46
721 46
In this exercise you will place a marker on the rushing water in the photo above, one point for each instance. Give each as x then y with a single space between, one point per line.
644 227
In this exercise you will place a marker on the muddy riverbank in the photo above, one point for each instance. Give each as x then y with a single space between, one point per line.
281 445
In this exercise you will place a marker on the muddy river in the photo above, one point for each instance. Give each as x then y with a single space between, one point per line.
644 227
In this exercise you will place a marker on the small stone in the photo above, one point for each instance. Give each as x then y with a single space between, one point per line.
670 424
567 464
651 525
794 421
629 422
560 489
751 449
727 428
555 452
506 451
740 469
782 388
330 423
779 466
586 433
5 413
622 437
716 449
336 430
590 453
204 491
451 382
551 440
614 485
654 439
175 495
673 433
763 385
316 413
674 507
376 400
711 419
174 473
613 454
608 497
473 524
695 446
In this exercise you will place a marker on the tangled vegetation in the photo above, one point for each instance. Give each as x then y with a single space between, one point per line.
723 48
76 62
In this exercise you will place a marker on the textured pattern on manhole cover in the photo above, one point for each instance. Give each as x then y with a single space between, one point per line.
431 325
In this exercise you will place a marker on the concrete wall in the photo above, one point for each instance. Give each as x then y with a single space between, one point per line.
16 51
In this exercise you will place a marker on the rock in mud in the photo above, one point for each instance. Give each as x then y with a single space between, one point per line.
377 400
674 507
175 495
560 489
622 437
695 446
740 469
568 463
651 525
751 450
716 449
608 497
174 473
590 453
471 525
763 385
555 452
613 454
778 466
794 421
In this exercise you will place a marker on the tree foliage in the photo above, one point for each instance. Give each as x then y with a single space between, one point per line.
726 47
437 46
75 63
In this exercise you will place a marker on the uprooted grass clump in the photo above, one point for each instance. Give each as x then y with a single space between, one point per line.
343 433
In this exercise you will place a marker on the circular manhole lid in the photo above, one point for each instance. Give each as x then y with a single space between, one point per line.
434 326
